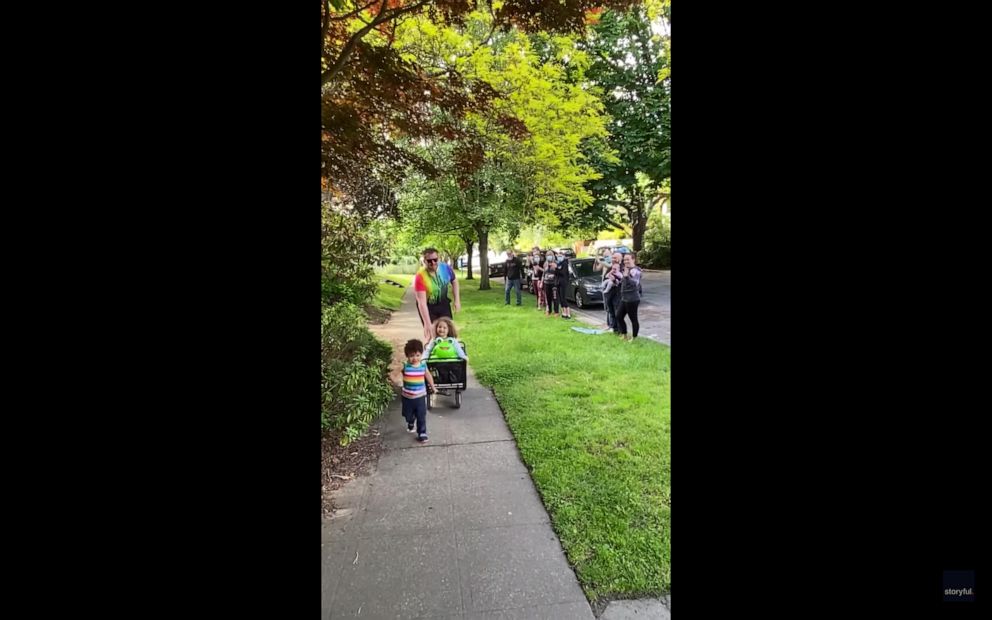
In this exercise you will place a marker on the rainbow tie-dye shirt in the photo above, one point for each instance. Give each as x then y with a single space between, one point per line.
414 383
435 286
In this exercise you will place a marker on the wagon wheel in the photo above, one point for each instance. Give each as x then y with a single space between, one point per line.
458 399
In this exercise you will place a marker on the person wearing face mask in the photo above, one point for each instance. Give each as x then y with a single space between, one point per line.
536 271
550 286
550 258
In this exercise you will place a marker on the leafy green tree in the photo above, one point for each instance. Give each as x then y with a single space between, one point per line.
657 251
373 98
497 175
629 58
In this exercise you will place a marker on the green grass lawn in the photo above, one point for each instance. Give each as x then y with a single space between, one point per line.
592 418
389 296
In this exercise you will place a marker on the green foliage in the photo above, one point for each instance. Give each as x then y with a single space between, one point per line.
388 297
354 368
660 11
404 265
541 82
613 234
407 245
350 251
629 58
547 238
532 172
353 364
657 253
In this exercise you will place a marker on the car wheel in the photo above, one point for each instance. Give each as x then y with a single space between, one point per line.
580 300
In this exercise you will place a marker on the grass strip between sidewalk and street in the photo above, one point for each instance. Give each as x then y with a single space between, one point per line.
591 415
388 296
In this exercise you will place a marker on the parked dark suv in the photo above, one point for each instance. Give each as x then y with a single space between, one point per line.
585 286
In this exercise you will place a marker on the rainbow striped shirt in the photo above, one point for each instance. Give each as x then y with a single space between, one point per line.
414 383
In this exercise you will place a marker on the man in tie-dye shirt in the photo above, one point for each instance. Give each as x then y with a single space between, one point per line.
431 287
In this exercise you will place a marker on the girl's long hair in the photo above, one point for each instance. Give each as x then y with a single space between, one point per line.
452 332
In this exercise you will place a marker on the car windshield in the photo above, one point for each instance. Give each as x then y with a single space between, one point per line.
582 268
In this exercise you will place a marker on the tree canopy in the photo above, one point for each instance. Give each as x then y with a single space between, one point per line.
375 101
630 66
494 174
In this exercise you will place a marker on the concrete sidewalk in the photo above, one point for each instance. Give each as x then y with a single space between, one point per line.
451 529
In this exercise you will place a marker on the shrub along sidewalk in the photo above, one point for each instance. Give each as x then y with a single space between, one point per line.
591 416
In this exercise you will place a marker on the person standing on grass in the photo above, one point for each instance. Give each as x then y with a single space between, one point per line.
431 287
612 276
550 257
550 284
534 260
630 296
562 273
416 380
536 271
512 278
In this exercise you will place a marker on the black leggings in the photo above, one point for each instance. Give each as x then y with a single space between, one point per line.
628 308
614 301
551 298
561 295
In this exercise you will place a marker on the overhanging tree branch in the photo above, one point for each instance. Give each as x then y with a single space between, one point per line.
614 224
353 13
617 203
326 23
349 48
485 41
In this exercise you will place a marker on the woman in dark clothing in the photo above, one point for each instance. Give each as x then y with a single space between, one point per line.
550 285
630 296
550 257
536 271
562 279
612 276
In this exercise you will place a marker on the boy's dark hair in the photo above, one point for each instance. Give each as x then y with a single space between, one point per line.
413 346
430 251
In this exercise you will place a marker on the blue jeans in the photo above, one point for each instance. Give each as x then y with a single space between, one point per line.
614 302
511 284
416 409
610 309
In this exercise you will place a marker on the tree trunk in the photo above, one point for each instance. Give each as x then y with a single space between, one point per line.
469 245
483 234
640 225
638 221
